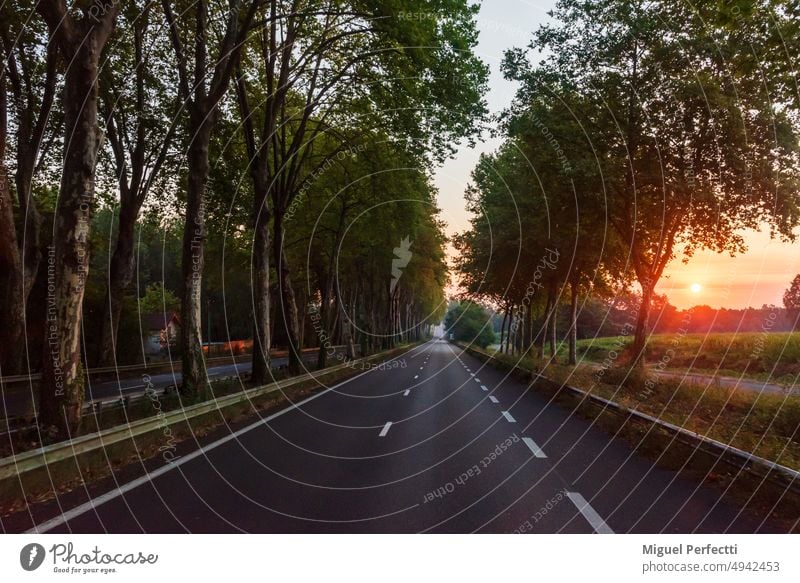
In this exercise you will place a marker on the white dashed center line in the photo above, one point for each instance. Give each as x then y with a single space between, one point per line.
537 451
508 417
598 524
385 429
416 376
477 380
483 387
493 399
407 392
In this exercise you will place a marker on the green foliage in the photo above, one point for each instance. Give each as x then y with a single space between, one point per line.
469 322
158 300
791 301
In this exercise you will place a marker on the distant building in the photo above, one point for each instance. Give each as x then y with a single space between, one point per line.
161 331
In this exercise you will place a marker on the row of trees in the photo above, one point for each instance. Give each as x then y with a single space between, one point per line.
642 131
299 133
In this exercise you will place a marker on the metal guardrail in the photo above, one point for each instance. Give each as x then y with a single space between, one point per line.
24 462
11 425
790 478
148 368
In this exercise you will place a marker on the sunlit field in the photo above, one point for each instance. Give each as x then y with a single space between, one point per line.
771 357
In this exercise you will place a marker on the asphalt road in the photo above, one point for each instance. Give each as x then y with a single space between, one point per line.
738 383
434 443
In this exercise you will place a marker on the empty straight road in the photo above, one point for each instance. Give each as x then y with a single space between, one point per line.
436 443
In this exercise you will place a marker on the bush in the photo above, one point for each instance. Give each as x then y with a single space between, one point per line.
471 323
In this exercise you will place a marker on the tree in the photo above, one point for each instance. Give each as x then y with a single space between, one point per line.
791 301
204 74
693 148
138 103
158 300
80 34
320 64
471 323
29 75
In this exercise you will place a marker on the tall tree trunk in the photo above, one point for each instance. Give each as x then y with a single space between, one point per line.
323 324
642 327
545 327
120 276
260 372
573 324
62 385
553 327
25 261
503 327
31 251
193 256
12 312
288 305
511 331
347 329
529 334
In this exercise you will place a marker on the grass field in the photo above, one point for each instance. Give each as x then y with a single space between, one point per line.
773 357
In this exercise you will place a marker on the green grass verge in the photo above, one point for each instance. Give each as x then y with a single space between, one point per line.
771 357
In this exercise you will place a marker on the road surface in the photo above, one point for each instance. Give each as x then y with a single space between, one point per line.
742 384
436 442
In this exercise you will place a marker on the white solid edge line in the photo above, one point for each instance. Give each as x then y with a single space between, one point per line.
493 399
537 451
108 496
508 417
484 387
590 514
385 429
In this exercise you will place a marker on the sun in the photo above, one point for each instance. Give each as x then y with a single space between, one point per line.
695 288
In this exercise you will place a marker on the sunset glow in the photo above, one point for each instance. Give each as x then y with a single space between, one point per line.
752 279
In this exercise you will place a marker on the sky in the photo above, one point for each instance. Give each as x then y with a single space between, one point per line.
757 277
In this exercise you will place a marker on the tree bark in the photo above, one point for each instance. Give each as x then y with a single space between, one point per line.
261 300
553 325
288 305
639 346
503 327
573 324
62 386
120 276
195 381
21 251
545 327
12 314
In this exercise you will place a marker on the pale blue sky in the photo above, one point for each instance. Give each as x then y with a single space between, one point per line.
503 24
759 276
